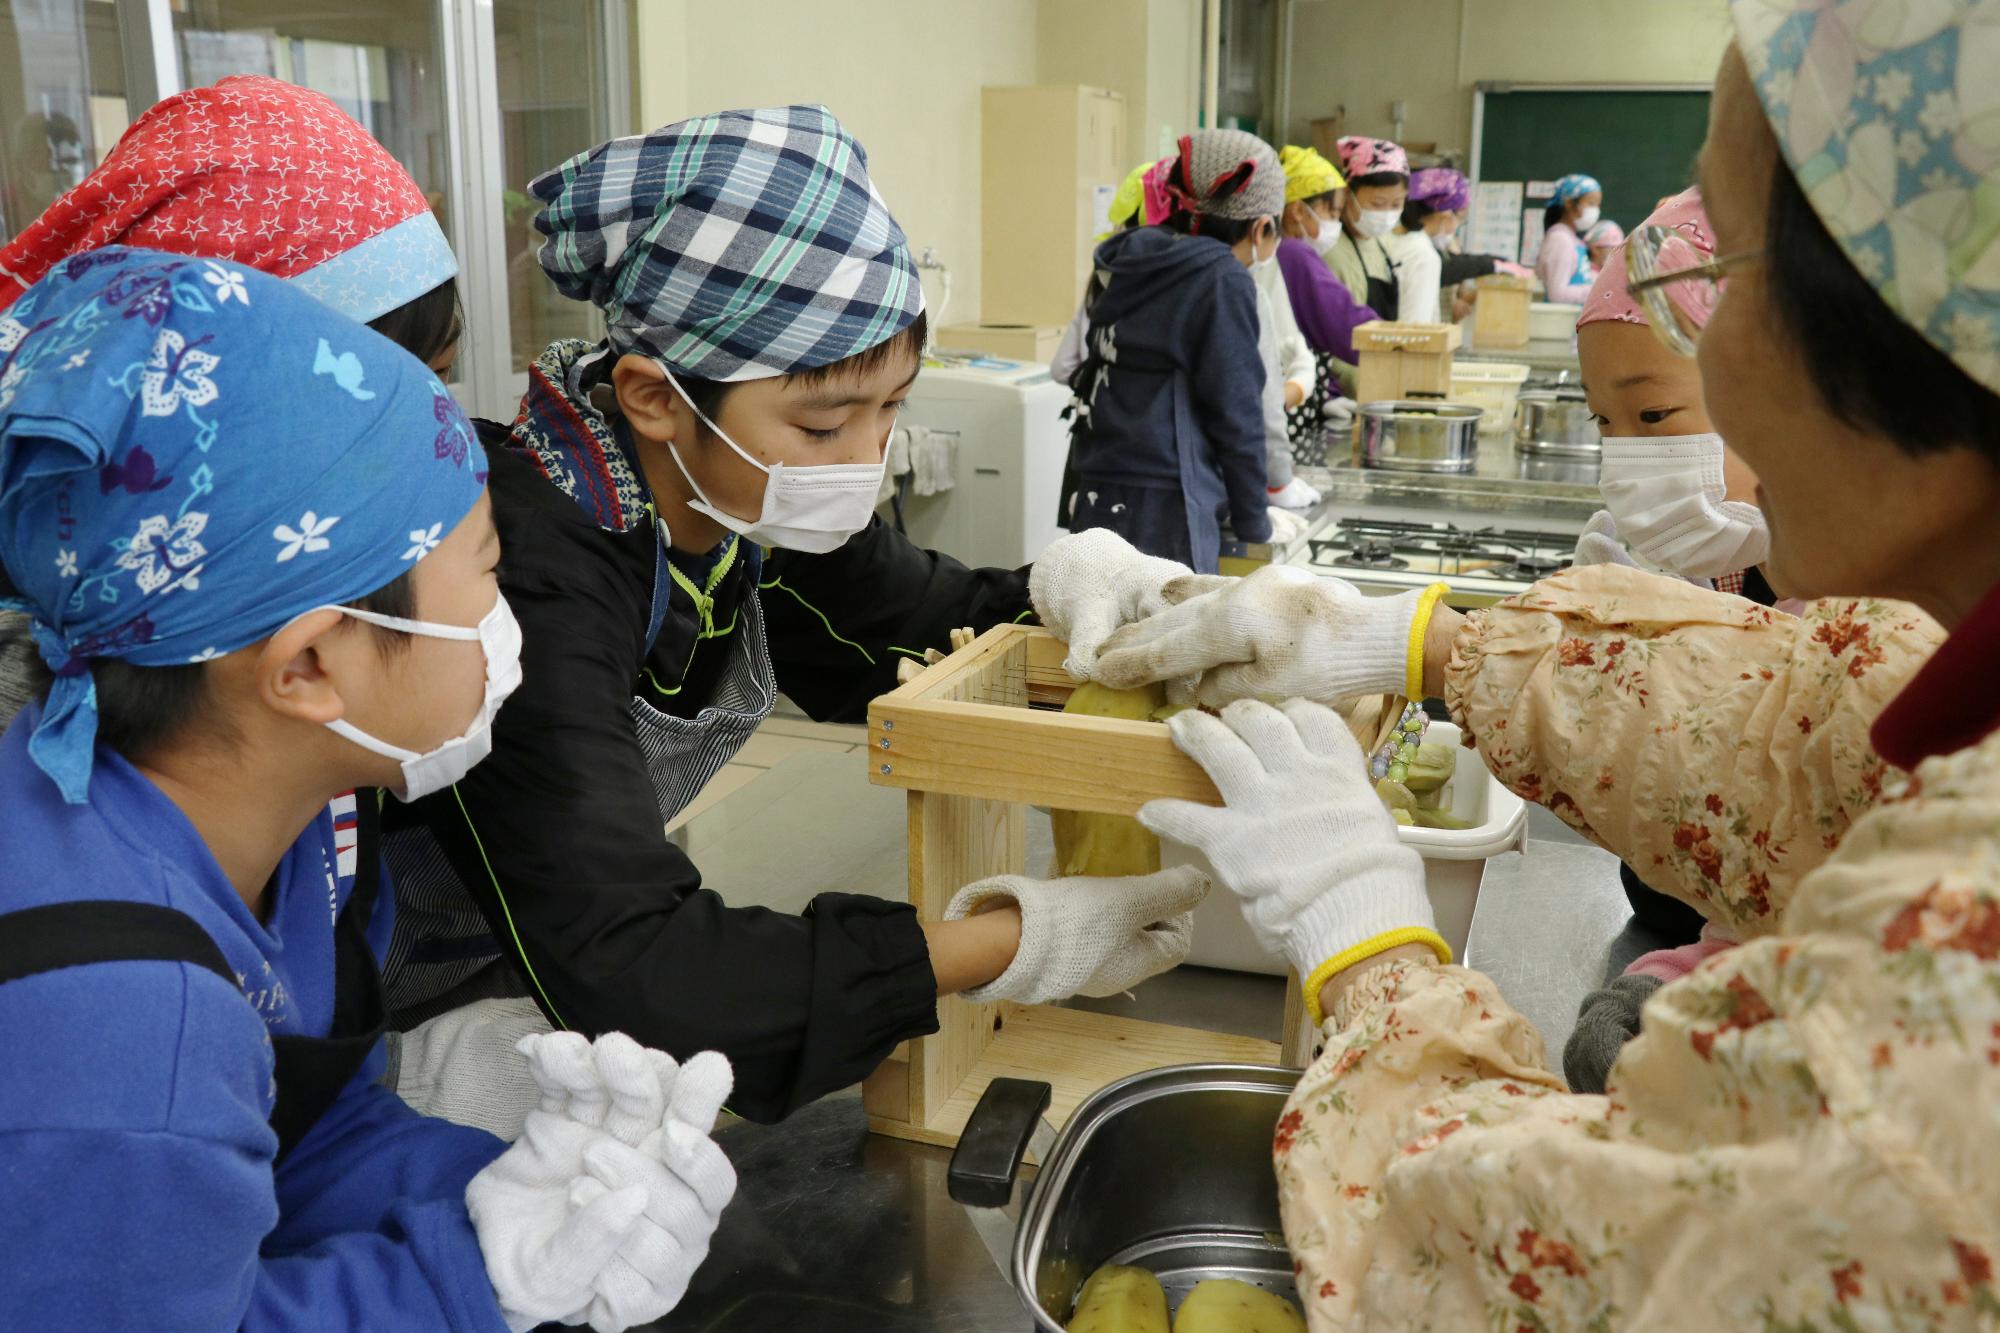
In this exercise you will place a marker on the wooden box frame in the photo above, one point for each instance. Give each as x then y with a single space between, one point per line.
976 739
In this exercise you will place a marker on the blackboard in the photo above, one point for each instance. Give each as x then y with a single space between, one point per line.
1639 143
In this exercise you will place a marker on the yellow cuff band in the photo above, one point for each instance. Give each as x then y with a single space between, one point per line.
1346 958
1413 668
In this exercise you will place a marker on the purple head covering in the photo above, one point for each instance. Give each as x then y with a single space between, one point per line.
1443 189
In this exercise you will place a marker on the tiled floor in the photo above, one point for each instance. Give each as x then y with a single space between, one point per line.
785 733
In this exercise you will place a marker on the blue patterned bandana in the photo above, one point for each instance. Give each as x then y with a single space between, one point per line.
1887 112
1575 186
192 453
736 246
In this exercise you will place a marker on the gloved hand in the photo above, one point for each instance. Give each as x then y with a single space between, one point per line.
1301 837
1512 269
1281 632
1083 936
1088 584
1338 409
1294 494
464 1066
603 1209
1598 544
1286 526
657 1117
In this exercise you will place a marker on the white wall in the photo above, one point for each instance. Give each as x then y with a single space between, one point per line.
1367 53
904 76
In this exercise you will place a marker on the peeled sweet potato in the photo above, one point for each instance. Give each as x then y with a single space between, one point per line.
1118 1299
1107 845
1224 1305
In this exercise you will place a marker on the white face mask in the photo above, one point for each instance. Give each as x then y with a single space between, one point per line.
1587 219
499 636
1667 494
1378 222
1327 237
810 509
1441 241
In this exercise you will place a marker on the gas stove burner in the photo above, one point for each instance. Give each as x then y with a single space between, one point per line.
1474 555
1454 542
1533 567
1372 553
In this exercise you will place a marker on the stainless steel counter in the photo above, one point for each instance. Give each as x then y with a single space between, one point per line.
1539 354
835 1230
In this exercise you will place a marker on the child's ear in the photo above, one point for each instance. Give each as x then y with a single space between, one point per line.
652 407
292 673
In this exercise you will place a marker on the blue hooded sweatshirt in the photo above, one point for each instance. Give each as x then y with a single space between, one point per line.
137 1187
1173 426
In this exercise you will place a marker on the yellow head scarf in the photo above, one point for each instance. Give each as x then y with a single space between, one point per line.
1125 203
1307 174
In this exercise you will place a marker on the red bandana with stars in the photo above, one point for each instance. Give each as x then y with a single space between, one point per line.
252 169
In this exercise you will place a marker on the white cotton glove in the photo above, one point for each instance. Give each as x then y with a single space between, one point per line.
1599 545
1295 494
1083 936
621 1136
1280 633
1339 410
465 1066
1301 838
1286 527
1088 584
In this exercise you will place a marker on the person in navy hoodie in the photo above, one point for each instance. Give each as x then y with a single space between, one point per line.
1168 442
253 541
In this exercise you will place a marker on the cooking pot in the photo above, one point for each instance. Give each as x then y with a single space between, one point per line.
1418 435
1168 1170
1555 421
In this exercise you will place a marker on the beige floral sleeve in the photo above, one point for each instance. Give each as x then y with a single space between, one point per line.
1718 747
1800 1138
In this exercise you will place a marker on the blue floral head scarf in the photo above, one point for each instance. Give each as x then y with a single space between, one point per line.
1886 111
1575 186
192 454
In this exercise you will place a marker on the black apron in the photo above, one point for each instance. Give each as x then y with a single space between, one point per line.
311 1071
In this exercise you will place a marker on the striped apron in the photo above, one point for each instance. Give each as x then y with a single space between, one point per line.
442 940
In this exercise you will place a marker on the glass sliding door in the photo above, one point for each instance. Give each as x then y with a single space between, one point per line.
62 100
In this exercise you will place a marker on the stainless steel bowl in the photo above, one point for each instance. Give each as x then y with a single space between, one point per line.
1418 436
1555 422
1169 1170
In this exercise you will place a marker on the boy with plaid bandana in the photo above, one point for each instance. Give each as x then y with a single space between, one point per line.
688 511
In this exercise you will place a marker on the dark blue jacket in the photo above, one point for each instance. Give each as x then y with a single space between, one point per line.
1173 385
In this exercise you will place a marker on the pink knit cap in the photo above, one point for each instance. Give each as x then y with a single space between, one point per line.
1367 157
1608 298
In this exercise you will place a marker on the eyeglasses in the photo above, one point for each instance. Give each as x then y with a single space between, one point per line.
1677 283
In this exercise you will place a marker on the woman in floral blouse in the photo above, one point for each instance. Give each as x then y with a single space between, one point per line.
1800 1136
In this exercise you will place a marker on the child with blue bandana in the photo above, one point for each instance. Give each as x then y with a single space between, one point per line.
254 545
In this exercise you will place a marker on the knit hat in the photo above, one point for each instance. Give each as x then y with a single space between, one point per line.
1443 189
1229 174
1885 114
144 512
1604 236
260 172
1361 156
1575 186
1308 174
735 246
1608 299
